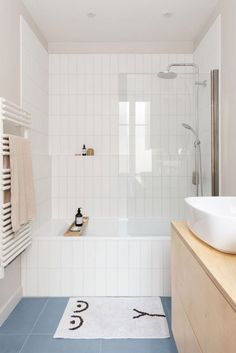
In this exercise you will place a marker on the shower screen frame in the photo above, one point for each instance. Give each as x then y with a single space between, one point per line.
215 155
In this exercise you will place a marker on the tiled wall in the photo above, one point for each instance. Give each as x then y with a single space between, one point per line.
205 131
141 171
35 96
117 105
97 267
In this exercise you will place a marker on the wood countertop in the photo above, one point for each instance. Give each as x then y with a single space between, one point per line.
220 267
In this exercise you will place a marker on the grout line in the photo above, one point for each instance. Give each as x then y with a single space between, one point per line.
40 334
36 321
100 346
12 334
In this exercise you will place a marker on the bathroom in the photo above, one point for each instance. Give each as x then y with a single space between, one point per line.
126 111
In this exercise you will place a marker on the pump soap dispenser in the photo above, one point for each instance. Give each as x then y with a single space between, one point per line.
79 218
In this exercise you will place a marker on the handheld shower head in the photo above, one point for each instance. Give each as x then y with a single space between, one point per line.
188 127
197 178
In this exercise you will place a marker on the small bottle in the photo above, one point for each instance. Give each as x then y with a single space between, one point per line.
79 218
84 151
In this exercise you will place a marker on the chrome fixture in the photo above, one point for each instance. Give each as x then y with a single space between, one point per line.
215 168
197 173
201 83
188 127
168 74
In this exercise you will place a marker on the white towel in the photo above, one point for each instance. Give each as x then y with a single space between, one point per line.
22 188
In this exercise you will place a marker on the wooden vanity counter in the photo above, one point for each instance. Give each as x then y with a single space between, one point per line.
203 295
220 267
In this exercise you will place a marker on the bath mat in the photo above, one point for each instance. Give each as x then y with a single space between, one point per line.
113 317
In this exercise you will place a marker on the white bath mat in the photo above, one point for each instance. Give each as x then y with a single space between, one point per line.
113 318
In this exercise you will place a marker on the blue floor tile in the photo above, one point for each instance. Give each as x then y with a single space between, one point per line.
166 302
50 316
23 316
139 346
11 343
48 344
43 315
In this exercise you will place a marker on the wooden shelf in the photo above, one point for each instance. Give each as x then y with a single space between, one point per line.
72 233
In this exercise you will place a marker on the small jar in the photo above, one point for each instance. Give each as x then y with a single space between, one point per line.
90 152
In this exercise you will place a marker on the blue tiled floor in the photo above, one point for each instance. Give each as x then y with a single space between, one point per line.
31 326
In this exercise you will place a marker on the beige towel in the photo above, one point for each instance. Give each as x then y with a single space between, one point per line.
22 188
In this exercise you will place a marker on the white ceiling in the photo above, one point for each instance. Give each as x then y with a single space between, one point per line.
120 20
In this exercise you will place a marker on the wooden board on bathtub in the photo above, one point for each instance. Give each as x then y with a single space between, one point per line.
73 233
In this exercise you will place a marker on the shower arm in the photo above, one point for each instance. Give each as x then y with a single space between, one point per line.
185 65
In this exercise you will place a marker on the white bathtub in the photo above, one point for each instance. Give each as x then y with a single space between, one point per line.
112 258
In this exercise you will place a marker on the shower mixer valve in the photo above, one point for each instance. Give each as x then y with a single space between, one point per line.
195 178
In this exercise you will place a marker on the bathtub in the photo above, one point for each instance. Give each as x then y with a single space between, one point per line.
113 258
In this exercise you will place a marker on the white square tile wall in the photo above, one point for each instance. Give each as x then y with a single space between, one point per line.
35 99
117 105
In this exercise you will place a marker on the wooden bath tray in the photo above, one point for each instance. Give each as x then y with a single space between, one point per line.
72 233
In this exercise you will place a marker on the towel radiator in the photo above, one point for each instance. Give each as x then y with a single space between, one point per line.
11 244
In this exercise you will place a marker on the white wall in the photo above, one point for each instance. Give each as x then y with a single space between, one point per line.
208 52
227 10
10 11
35 97
207 56
142 165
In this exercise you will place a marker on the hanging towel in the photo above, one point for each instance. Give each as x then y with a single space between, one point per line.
22 188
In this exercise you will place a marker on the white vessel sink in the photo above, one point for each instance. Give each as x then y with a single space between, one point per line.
213 220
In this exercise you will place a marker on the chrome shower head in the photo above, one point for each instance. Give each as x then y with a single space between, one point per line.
167 75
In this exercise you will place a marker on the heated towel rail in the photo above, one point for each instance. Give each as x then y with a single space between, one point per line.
11 244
